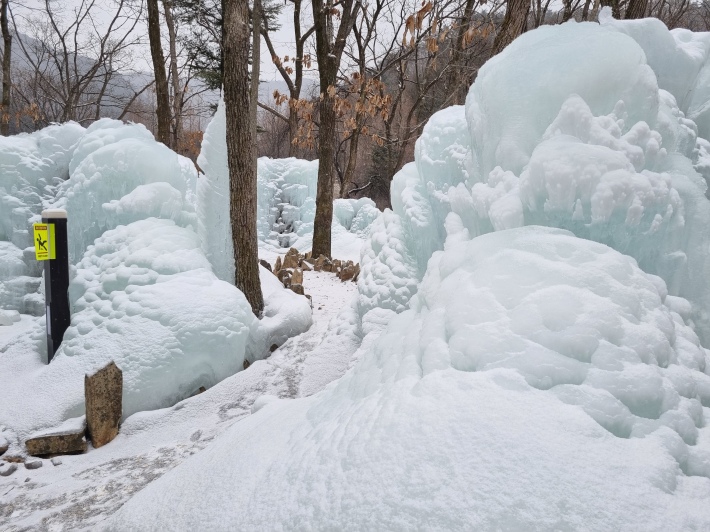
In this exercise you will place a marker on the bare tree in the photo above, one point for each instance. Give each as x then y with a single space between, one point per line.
514 24
6 69
241 156
161 78
292 75
329 50
74 67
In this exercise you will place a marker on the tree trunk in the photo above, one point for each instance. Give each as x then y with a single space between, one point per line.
175 77
255 69
161 79
514 24
241 152
327 71
6 61
455 87
636 9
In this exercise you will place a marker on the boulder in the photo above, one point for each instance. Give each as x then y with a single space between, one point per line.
70 437
277 265
305 267
103 392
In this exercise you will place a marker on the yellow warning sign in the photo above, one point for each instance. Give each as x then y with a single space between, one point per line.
44 242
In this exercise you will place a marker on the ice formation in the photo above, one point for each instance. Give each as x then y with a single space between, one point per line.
286 191
31 165
143 293
556 133
509 377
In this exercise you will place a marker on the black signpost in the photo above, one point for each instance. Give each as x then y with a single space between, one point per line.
56 278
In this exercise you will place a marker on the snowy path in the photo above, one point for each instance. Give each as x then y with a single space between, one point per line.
85 489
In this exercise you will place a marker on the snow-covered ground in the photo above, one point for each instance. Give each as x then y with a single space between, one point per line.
85 489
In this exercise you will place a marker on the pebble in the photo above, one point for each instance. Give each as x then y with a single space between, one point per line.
7 469
34 464
56 461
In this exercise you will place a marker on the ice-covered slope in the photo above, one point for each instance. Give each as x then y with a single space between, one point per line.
462 415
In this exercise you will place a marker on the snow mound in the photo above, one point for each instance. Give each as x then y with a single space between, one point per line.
144 296
286 191
522 348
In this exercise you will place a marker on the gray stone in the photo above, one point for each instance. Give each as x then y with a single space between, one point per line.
265 264
103 392
56 461
68 438
33 464
7 469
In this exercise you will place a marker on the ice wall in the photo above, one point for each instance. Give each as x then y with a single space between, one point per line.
120 174
286 191
576 126
31 165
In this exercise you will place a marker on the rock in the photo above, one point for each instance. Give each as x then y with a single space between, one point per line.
4 445
246 364
265 264
273 348
337 264
33 464
357 273
284 276
7 469
348 272
308 255
318 264
103 392
277 265
14 459
297 277
298 288
305 267
291 258
70 437
310 299
56 461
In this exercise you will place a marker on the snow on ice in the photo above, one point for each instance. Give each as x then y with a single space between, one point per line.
508 377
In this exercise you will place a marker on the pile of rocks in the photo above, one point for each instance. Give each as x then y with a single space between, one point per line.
290 270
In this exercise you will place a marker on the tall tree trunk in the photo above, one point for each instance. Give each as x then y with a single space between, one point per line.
455 87
327 72
175 76
636 9
514 24
255 70
6 62
241 153
161 79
